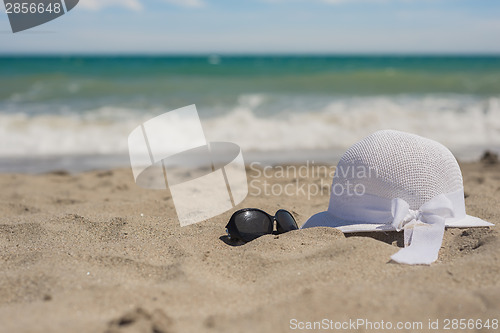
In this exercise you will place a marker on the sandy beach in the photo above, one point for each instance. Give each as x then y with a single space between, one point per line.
187 95
92 252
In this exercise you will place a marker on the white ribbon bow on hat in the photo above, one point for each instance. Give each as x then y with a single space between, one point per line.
423 229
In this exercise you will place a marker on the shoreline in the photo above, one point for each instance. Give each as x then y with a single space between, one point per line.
94 162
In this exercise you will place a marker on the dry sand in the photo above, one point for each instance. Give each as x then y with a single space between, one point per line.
92 252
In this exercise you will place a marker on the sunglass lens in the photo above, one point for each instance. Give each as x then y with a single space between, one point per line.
253 224
285 221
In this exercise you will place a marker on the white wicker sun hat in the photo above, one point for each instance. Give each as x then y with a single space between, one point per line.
392 181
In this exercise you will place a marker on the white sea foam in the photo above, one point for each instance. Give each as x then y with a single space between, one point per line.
459 122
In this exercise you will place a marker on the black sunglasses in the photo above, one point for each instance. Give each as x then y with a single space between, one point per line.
250 223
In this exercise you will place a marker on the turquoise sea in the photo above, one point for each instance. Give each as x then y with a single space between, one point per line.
279 106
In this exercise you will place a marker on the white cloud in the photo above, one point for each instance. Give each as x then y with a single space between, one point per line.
337 2
134 5
187 3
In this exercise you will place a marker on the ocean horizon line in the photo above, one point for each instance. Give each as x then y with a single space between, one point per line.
251 54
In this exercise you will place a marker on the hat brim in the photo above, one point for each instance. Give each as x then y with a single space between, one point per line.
326 219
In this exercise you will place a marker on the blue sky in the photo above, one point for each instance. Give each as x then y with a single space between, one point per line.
264 26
